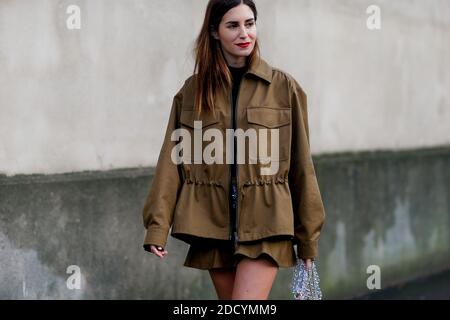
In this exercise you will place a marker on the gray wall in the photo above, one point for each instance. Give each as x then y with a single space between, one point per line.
83 113
385 209
98 98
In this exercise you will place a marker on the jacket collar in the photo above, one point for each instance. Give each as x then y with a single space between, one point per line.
260 68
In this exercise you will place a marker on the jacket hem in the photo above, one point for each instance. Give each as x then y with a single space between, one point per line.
192 239
251 236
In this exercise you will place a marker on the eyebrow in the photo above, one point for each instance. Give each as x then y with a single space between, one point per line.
248 20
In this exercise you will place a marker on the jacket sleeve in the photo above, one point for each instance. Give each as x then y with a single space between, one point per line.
163 194
309 213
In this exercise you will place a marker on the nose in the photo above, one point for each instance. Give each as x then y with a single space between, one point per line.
243 32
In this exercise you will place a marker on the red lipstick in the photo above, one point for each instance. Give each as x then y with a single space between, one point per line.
243 45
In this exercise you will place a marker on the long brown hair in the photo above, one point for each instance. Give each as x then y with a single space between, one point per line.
213 75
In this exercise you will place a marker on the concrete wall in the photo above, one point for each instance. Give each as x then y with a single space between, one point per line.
98 98
83 113
385 209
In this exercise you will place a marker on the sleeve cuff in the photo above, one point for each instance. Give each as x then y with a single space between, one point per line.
156 237
307 250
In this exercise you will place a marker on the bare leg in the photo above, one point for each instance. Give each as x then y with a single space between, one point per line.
223 280
254 278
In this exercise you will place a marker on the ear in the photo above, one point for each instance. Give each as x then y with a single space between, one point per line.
214 33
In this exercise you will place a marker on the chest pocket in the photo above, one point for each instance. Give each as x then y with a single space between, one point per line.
276 118
188 117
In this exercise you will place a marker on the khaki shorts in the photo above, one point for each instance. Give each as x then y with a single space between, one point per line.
221 254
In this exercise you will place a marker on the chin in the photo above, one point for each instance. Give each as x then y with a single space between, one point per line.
244 53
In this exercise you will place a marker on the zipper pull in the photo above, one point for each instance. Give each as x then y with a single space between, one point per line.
235 239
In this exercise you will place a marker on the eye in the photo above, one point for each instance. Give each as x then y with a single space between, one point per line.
248 25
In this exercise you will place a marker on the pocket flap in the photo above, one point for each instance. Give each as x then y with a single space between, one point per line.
187 118
268 116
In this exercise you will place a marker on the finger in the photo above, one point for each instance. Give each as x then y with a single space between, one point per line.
308 263
156 252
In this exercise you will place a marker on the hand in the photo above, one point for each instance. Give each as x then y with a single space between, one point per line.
158 251
308 263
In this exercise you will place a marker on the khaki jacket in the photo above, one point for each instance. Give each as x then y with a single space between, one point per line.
191 199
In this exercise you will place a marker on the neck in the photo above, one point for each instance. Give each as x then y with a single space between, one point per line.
241 67
238 62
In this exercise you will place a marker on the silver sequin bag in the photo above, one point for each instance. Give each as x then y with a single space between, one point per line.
305 282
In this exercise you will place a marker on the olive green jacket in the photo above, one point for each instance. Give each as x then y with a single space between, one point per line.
191 198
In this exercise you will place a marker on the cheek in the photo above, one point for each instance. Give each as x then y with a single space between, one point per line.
228 37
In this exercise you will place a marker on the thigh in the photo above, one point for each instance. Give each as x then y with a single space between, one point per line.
254 278
223 280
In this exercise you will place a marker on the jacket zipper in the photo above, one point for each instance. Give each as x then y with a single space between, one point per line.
235 157
230 210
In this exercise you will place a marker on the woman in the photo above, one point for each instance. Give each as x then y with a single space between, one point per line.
241 222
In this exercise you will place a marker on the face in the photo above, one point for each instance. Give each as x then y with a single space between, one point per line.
237 34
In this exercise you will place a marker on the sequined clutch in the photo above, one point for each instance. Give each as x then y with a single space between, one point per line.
305 282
